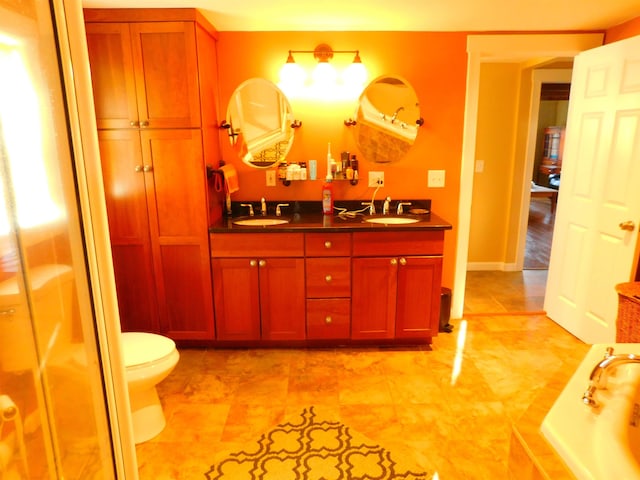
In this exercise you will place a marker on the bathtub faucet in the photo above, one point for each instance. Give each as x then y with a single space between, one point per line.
600 373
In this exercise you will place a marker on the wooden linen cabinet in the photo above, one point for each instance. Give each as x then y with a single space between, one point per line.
155 104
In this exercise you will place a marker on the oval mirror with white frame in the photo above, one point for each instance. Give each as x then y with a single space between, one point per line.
387 119
260 121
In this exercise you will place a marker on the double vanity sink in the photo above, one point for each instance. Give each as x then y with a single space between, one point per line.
266 221
307 216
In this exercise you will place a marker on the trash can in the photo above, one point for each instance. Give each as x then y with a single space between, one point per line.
445 310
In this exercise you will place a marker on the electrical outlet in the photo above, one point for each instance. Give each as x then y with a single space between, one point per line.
271 178
436 178
376 179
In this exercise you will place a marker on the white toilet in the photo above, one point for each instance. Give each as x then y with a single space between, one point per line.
148 359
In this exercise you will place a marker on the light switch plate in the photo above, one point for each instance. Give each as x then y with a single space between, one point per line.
271 178
436 178
376 178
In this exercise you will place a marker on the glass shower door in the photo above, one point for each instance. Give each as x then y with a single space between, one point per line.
53 418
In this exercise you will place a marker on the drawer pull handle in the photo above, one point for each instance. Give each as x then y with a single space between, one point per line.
403 261
327 244
328 319
7 312
328 278
394 261
253 263
262 263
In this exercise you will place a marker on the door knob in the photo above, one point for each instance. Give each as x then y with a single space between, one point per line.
148 168
394 261
403 261
262 263
253 263
138 168
134 123
628 225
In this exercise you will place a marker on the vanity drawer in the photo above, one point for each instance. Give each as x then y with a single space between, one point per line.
378 244
257 244
327 244
328 318
328 277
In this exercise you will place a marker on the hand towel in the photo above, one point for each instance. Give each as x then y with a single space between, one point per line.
230 178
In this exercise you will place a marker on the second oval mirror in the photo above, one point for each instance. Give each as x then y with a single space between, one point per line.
387 120
260 123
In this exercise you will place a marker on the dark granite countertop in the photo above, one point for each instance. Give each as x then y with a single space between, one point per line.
308 217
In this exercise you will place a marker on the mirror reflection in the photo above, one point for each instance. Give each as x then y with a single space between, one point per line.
387 120
260 123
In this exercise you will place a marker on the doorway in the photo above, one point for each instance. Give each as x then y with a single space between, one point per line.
501 48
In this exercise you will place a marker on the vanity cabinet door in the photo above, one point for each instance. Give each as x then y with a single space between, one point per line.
282 302
237 298
418 297
373 297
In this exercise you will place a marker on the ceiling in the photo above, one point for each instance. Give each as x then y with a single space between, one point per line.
407 15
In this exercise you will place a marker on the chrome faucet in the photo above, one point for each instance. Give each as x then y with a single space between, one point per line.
372 207
399 210
278 210
263 206
385 206
250 208
601 372
395 114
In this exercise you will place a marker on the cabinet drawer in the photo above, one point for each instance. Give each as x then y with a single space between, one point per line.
257 245
328 277
328 318
327 244
376 244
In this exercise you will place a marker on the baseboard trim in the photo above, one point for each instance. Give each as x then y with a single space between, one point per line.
491 266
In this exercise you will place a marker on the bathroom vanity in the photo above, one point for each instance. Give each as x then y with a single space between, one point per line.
325 279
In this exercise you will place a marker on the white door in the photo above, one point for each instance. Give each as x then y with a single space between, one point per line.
600 190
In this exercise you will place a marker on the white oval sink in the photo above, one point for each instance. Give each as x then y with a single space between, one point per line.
260 222
392 220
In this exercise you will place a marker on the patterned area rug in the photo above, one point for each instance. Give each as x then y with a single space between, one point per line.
311 448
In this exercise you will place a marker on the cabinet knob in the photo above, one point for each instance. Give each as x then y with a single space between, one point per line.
403 261
262 263
253 263
628 226
144 123
394 261
138 168
328 319
148 168
327 244
133 123
328 278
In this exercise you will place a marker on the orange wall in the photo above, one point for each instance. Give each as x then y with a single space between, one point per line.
433 63
622 31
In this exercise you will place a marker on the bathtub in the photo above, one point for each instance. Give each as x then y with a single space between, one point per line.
599 443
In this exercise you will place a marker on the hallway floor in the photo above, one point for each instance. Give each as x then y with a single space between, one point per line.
407 399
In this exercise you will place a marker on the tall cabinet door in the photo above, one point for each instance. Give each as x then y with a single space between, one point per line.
175 184
124 185
112 74
164 54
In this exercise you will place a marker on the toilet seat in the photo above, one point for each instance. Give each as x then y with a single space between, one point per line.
140 348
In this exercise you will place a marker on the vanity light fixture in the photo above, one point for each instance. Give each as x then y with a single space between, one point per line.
324 75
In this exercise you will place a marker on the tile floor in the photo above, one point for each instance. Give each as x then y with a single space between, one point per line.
403 398
505 292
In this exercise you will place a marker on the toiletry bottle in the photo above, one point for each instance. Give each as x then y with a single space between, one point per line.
327 196
313 169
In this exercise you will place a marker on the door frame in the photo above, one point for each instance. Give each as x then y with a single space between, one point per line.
540 76
497 48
